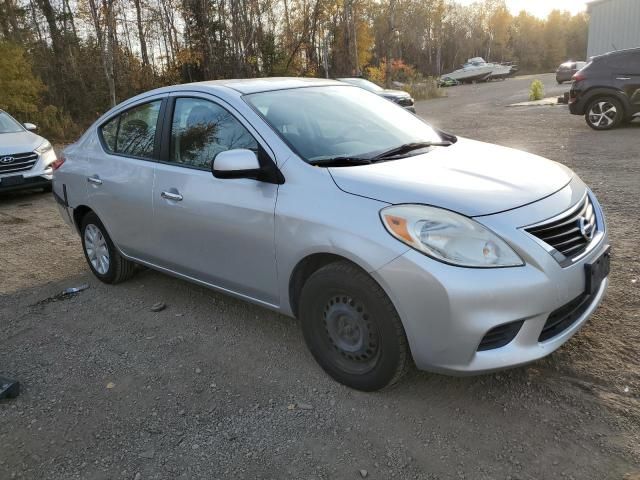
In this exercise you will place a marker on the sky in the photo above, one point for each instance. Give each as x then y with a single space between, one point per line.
540 8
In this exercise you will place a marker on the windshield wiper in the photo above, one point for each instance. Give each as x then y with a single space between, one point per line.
408 147
340 161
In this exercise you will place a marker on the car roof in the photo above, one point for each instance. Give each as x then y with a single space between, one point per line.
618 52
231 86
255 85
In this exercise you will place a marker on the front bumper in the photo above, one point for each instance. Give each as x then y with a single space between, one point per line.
38 176
448 310
20 182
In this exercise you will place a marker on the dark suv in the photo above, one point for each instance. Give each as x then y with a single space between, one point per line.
607 90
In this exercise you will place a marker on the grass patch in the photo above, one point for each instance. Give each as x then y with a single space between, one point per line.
423 89
536 91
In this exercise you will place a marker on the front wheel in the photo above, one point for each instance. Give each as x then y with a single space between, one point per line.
103 258
604 113
352 328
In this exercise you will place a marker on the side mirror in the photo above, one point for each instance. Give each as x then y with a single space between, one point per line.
30 126
238 163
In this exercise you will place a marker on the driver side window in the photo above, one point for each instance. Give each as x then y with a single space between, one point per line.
201 129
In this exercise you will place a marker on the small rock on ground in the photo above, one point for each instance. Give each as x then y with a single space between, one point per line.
158 307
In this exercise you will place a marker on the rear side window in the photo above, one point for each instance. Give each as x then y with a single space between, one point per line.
109 132
621 63
133 132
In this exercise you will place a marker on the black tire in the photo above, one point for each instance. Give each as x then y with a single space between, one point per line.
117 269
47 188
597 117
352 329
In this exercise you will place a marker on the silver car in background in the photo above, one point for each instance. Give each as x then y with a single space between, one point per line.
26 159
391 241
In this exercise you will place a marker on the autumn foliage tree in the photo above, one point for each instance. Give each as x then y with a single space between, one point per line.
69 61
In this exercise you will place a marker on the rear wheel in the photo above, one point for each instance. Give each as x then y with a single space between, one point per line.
352 328
103 258
604 113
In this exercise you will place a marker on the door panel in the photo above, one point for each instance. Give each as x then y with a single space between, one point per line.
120 176
220 231
122 199
626 76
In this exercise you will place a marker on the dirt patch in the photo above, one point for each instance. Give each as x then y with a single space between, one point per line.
36 246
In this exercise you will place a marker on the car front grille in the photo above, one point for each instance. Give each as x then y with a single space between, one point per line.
569 234
562 318
21 162
500 336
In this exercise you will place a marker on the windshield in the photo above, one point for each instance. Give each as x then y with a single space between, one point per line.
339 121
362 83
8 124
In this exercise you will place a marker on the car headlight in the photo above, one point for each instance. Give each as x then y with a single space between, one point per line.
44 148
448 237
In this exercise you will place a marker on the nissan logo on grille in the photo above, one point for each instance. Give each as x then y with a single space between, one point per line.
6 160
586 228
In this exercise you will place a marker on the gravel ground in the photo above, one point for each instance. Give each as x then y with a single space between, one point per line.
212 387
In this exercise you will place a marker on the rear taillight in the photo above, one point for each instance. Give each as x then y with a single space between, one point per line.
58 163
578 77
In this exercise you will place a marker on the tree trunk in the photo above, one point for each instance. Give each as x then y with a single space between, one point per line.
143 42
105 42
50 16
390 38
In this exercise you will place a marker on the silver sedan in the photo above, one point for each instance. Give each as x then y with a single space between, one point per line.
390 240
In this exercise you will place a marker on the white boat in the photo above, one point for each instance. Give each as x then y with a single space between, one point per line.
471 72
477 69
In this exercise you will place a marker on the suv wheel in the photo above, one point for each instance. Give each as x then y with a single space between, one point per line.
604 113
352 328
103 258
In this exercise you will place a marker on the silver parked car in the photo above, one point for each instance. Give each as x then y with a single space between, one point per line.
400 97
388 239
566 71
26 159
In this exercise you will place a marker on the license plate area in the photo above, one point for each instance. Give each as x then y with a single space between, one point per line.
597 271
11 181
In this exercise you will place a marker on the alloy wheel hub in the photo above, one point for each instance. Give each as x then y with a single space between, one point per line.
97 249
603 114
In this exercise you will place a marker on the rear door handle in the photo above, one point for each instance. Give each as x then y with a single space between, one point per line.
95 180
623 78
176 197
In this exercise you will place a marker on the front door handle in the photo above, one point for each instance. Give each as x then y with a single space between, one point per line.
176 197
95 180
623 78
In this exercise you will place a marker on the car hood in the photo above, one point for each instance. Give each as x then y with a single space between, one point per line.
20 142
469 177
394 93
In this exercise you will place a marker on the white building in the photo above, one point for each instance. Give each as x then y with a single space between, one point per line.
613 25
